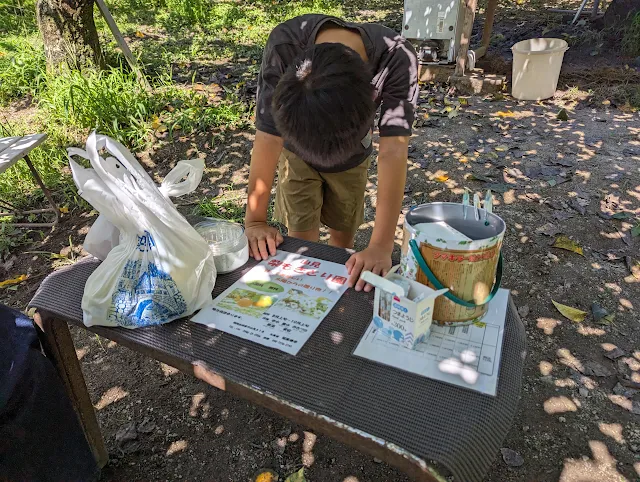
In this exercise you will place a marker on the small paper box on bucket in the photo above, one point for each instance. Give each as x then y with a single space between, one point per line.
402 309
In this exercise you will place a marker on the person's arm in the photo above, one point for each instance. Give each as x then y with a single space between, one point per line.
392 175
263 239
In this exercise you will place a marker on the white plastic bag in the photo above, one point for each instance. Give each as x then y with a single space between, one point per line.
161 269
104 236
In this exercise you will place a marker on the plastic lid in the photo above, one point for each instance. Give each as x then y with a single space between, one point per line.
223 236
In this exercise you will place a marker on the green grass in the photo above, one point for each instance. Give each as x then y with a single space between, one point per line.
205 31
631 37
174 36
22 67
222 208
17 17
230 208
11 238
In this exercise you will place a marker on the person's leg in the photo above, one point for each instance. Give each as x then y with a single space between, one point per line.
309 235
298 197
343 208
341 239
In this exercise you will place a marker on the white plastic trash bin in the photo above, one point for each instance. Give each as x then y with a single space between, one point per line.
536 67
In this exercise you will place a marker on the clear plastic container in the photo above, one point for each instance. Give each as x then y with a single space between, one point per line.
227 242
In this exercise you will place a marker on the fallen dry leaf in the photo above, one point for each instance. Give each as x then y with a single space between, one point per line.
562 115
564 242
508 113
296 476
570 313
13 281
266 476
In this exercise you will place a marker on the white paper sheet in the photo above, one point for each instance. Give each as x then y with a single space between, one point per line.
467 356
280 302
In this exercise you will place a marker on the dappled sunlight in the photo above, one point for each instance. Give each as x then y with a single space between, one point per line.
81 352
565 383
586 382
623 402
336 337
199 404
602 467
113 395
625 303
590 331
560 404
545 368
548 325
167 370
566 358
613 430
308 443
177 447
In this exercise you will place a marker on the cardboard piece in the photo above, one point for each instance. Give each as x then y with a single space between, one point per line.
406 316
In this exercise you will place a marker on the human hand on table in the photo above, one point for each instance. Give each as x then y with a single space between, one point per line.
263 239
374 258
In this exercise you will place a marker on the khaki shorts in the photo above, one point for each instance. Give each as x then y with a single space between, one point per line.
305 197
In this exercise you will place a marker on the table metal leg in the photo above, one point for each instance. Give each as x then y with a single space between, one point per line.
58 346
53 209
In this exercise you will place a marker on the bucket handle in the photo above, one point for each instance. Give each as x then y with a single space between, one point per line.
449 295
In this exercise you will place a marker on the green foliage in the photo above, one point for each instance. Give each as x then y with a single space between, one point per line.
22 68
178 36
17 17
221 208
17 183
194 112
631 37
207 30
111 101
11 238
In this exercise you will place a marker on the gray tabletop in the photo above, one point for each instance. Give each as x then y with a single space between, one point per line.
417 417
12 149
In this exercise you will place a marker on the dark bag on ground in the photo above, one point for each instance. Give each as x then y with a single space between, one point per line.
40 435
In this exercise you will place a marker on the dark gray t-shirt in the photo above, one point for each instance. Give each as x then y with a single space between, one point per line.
392 59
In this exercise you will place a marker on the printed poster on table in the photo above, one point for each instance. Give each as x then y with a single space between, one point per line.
280 302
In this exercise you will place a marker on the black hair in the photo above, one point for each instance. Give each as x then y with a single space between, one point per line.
323 105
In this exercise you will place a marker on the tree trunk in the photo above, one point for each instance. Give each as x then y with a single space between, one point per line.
620 13
69 33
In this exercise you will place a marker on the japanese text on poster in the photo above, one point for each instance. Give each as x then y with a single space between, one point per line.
280 302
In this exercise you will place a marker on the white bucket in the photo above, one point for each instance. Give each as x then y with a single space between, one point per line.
536 67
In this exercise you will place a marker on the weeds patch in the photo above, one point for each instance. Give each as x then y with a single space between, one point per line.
22 68
631 37
222 208
10 239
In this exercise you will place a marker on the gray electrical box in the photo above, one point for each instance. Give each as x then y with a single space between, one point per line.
435 27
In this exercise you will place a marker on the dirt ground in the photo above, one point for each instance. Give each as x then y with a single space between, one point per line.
579 416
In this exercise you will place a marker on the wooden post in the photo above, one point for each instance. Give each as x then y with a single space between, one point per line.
465 36
122 43
487 29
58 346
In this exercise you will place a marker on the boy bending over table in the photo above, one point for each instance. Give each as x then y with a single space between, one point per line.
321 82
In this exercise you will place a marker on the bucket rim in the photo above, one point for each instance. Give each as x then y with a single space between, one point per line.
561 48
443 203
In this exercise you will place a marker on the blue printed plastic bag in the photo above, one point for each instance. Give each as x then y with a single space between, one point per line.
162 269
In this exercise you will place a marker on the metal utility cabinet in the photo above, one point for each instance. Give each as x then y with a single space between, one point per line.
435 26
